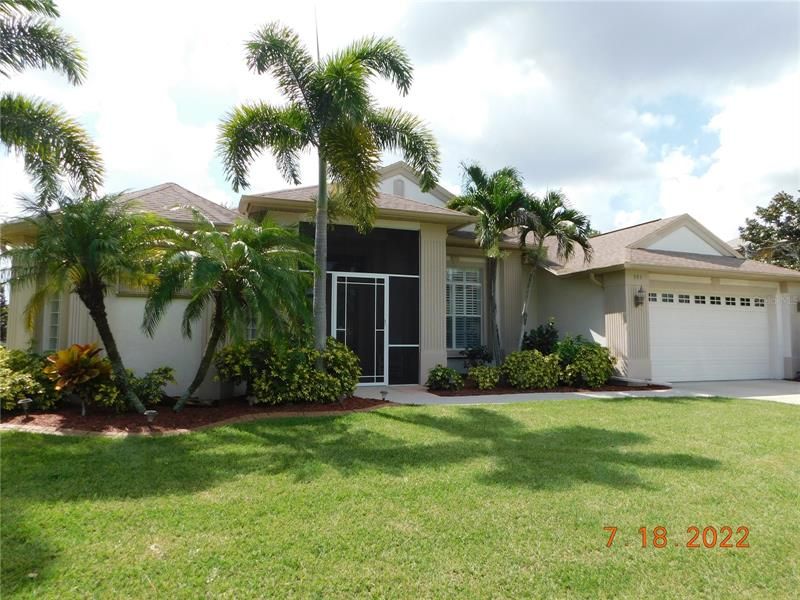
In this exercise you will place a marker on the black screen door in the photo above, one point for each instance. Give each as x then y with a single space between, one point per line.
359 312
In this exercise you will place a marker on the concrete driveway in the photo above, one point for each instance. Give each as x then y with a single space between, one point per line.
776 390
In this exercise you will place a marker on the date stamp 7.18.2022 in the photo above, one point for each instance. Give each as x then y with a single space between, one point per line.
696 537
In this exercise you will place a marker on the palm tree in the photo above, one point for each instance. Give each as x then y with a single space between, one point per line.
496 200
87 246
330 109
250 273
51 142
550 218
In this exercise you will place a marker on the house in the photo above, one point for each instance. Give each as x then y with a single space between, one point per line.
671 300
65 320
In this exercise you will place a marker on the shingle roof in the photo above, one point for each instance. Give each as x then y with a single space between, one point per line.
383 201
612 250
173 202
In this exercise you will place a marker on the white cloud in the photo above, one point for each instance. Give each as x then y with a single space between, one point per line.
758 156
496 82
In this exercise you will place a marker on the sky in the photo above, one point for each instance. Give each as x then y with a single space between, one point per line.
636 110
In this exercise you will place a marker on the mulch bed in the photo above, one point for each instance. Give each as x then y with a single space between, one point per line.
68 419
468 390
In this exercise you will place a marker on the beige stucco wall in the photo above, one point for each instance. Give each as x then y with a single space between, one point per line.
139 352
511 286
432 282
577 305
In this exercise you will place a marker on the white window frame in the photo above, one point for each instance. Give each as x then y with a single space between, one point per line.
667 297
715 300
684 298
52 319
450 314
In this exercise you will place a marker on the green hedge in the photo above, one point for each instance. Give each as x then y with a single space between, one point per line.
592 366
290 375
22 376
444 378
530 369
485 377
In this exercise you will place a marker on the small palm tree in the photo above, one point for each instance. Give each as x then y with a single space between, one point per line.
496 200
330 109
87 246
51 143
252 273
550 218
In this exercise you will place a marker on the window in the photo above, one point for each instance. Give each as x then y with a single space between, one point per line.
744 301
52 319
652 297
252 330
715 300
759 302
464 308
667 298
699 299
398 187
730 301
683 298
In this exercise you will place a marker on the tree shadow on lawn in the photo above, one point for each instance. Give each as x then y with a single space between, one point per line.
66 469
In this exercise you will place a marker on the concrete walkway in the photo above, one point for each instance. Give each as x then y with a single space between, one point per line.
787 392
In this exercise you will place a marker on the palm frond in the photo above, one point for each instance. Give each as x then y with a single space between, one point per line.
278 50
397 130
382 57
353 160
250 129
45 8
32 42
51 144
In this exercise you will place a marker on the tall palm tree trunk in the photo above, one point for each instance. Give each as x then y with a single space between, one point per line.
217 331
523 327
97 310
496 345
321 258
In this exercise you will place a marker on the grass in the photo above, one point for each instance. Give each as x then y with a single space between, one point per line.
413 502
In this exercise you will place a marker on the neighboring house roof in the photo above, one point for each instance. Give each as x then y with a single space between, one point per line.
175 203
623 248
388 205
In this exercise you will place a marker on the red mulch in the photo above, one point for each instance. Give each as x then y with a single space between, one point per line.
468 390
191 417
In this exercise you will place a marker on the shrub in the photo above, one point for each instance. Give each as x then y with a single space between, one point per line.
240 363
22 376
485 377
150 387
593 366
530 369
16 385
567 349
444 378
475 356
290 375
543 338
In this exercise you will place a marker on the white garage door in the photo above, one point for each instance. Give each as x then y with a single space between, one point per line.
697 336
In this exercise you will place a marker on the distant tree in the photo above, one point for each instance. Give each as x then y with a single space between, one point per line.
773 235
251 273
51 143
331 110
496 200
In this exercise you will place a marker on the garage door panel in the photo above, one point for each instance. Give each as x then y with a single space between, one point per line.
695 342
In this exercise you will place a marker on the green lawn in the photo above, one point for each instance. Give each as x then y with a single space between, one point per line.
414 502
